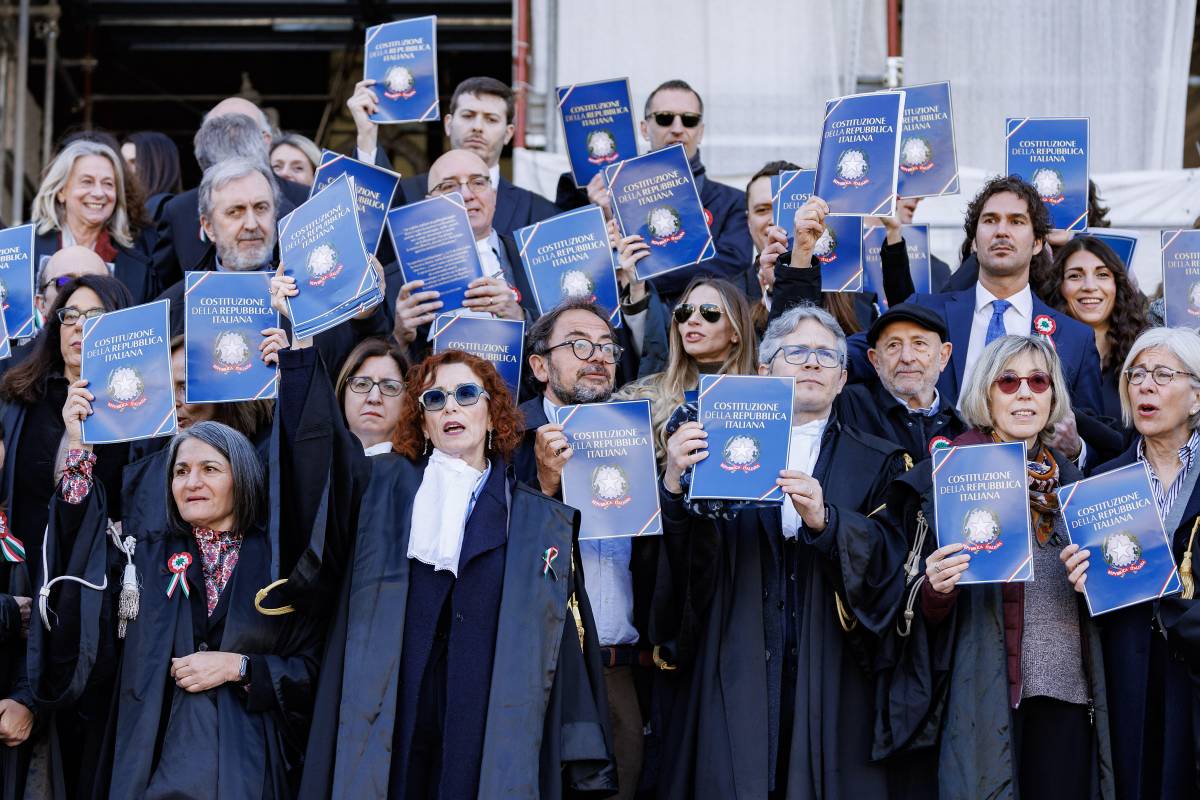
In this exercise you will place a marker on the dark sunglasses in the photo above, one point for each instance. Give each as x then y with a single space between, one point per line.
664 119
1010 382
465 394
58 282
388 387
709 311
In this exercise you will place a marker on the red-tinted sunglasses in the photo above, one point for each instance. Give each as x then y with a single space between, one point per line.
1010 382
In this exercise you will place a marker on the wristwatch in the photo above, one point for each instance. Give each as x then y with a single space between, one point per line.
244 671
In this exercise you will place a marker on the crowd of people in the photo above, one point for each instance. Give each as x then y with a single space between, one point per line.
370 586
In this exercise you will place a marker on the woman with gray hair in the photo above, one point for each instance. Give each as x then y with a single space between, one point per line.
1013 672
1150 649
213 692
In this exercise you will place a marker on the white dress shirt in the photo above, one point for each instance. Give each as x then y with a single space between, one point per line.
1018 321
803 454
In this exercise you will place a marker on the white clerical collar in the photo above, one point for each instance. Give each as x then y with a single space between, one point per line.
378 449
1022 301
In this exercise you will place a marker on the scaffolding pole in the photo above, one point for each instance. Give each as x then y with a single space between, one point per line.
18 178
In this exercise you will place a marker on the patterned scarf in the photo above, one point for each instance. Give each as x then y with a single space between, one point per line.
218 556
1042 472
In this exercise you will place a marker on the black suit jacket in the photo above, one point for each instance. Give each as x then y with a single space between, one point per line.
131 267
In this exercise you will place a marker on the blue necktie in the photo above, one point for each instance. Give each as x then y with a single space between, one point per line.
996 323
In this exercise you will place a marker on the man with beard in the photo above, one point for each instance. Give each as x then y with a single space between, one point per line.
573 355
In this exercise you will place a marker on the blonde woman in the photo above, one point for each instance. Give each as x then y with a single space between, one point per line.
82 201
295 158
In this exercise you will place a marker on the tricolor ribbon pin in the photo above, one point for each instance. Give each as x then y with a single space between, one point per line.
11 547
178 564
548 563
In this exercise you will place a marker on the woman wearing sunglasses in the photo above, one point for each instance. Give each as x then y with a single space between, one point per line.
369 391
711 334
1013 671
1151 649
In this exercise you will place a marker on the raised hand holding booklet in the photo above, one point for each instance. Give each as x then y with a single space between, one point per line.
839 250
916 241
860 153
1181 278
1051 154
500 341
374 188
790 190
981 500
434 244
611 476
401 57
928 161
16 280
569 257
1114 517
224 316
749 425
655 196
1123 242
126 360
321 246
597 125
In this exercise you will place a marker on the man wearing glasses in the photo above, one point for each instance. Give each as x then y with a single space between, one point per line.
60 269
783 604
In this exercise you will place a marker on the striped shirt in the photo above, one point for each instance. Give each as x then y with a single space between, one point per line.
1165 497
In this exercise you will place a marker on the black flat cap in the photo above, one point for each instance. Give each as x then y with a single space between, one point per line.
927 318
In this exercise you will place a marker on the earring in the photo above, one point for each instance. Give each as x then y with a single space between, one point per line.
489 442
426 450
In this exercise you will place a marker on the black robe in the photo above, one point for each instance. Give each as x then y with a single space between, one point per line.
730 595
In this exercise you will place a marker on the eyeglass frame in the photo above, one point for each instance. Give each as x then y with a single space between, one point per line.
374 383
809 352
91 313
697 308
618 350
483 395
486 183
683 116
1025 379
1150 372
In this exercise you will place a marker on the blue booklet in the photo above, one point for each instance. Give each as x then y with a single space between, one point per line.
373 190
1051 154
224 316
569 257
928 160
612 475
1114 517
597 126
860 152
1181 278
500 341
749 425
655 196
16 280
434 243
790 190
916 241
126 360
839 249
401 57
1123 242
981 500
321 246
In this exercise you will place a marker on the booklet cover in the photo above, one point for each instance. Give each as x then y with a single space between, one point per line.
928 160
916 241
373 190
749 425
839 250
1051 154
569 257
434 243
860 153
611 476
224 316
1181 278
1115 517
500 341
16 280
126 360
597 125
1122 241
655 196
5 344
981 500
401 57
790 190
321 246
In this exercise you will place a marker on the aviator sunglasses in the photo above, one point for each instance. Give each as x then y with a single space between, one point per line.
664 119
465 394
709 311
1010 382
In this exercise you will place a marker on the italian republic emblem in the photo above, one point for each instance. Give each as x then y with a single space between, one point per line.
981 530
852 168
1049 184
399 84
665 225
1122 553
323 265
125 388
576 283
610 486
1193 296
741 454
601 147
916 155
231 352
825 248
